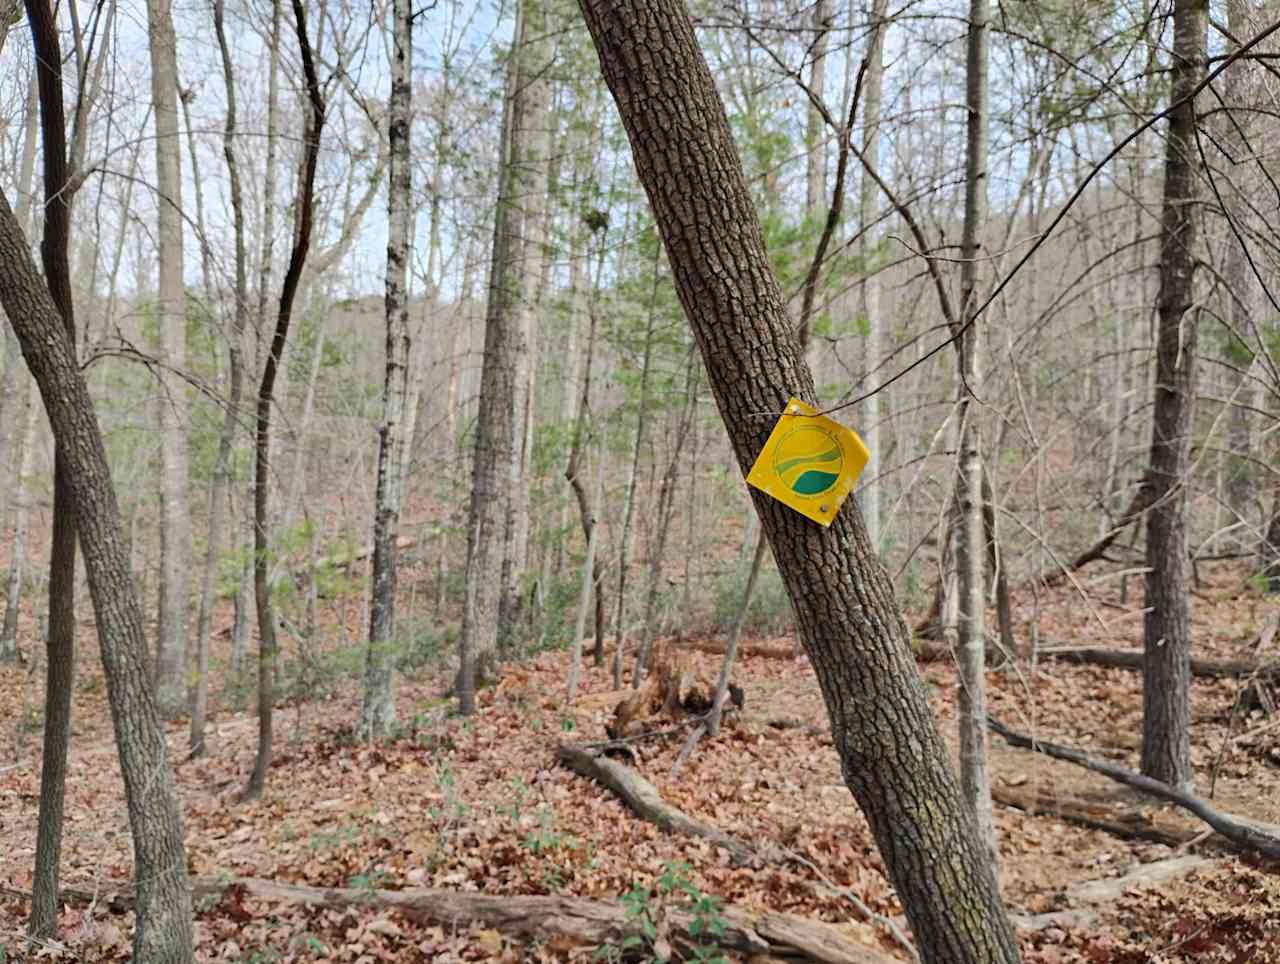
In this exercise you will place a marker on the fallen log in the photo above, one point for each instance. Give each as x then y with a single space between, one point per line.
1243 834
646 802
1153 828
715 647
1132 659
1081 897
588 922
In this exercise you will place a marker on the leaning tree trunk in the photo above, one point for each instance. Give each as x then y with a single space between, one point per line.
163 932
894 760
1166 741
262 437
171 322
60 645
378 712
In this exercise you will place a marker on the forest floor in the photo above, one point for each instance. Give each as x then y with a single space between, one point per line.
482 805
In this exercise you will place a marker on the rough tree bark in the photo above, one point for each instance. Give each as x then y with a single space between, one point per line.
1166 742
893 759
496 424
164 932
530 159
171 322
378 712
262 437
60 645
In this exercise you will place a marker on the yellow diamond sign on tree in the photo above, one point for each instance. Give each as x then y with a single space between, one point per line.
810 462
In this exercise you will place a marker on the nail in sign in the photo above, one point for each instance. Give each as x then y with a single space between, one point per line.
810 463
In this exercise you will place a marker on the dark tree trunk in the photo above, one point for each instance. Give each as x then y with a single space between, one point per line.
893 759
164 932
1166 744
266 389
60 645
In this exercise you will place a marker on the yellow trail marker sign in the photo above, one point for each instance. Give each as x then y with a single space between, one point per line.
810 462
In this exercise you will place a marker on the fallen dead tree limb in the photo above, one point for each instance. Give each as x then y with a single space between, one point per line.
1126 826
588 922
712 647
646 802
1240 832
715 647
1132 659
644 799
1082 897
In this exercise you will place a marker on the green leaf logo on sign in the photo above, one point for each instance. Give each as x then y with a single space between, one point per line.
810 462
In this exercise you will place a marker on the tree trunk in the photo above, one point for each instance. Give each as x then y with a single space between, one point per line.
1271 547
164 931
589 577
872 99
893 759
378 713
496 426
735 636
262 438
1243 294
21 513
220 491
589 517
633 472
528 154
1166 742
971 543
61 642
665 510
171 322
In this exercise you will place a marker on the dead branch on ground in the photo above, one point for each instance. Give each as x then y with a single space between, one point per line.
1242 833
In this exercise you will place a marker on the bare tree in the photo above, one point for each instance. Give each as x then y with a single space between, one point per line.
971 545
496 428
60 645
1166 739
378 712
220 491
171 322
164 931
262 435
848 620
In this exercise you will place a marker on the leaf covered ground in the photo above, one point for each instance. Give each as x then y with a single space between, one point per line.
480 804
